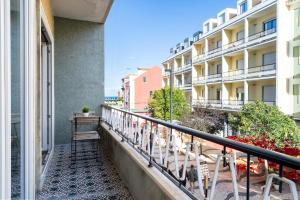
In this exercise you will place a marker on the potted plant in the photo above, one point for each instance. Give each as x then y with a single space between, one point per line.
85 111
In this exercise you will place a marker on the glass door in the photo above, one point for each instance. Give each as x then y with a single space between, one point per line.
47 96
17 132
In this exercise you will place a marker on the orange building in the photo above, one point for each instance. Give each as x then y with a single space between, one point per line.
138 90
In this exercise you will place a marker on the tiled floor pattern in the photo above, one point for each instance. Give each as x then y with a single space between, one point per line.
88 178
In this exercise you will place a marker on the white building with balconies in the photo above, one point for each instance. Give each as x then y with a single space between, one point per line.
242 56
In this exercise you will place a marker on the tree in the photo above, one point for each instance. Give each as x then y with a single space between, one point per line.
159 105
264 121
203 119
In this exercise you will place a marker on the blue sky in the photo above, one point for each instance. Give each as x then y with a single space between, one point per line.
139 33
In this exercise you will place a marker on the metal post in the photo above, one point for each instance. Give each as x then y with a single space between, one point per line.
280 175
224 159
150 145
171 86
248 177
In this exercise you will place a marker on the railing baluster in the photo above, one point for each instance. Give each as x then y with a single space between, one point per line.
248 176
280 175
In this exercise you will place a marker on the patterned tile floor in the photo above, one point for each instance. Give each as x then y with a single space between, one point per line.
88 178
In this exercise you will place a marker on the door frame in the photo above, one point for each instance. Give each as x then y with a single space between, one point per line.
44 19
5 102
27 116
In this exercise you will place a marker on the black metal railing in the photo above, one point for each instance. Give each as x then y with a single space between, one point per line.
145 134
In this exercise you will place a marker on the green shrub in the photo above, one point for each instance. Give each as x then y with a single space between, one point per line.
261 120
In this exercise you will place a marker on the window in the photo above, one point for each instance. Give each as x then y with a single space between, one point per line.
269 94
240 35
269 58
219 68
219 94
270 25
243 7
222 18
240 94
207 27
144 79
240 64
219 43
17 133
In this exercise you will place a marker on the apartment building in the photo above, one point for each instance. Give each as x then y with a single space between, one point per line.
180 61
241 56
138 88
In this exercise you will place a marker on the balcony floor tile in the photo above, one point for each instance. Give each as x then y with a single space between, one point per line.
87 179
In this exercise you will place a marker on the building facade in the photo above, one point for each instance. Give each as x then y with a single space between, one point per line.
138 88
51 64
241 56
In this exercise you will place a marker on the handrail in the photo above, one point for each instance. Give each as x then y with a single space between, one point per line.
215 50
273 156
262 68
233 44
233 73
261 34
216 75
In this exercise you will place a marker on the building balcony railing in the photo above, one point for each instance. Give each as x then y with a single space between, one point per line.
214 103
199 102
225 103
269 102
151 138
214 52
232 104
234 46
233 75
214 77
183 86
261 71
261 36
183 68
199 80
199 58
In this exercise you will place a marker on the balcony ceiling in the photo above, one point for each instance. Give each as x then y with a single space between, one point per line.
84 10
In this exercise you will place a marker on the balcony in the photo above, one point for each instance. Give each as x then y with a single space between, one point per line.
198 102
185 86
214 53
199 58
212 78
186 67
150 140
234 46
233 75
199 80
262 37
215 103
262 71
269 102
232 104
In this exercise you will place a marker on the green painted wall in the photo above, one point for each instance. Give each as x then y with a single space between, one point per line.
79 71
